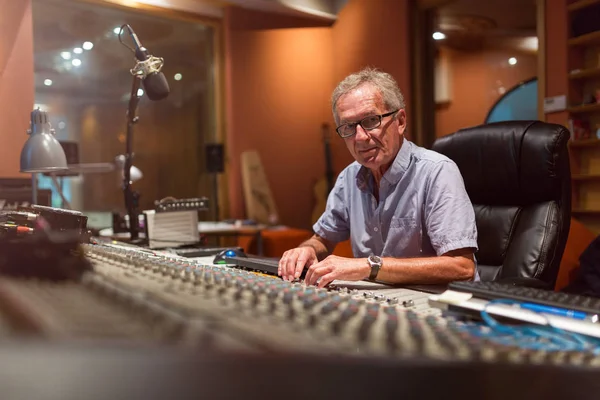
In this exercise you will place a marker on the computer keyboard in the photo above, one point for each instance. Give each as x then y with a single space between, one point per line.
494 290
267 265
260 264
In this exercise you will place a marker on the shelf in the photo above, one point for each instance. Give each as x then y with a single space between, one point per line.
588 38
585 73
585 177
581 211
586 108
578 5
584 143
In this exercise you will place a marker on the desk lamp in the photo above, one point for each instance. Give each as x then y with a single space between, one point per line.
42 152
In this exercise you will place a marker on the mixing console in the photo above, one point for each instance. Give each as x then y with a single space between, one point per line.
191 302
135 295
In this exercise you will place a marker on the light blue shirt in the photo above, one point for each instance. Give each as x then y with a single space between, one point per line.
423 208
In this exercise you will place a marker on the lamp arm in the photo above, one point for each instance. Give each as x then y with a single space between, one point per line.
64 200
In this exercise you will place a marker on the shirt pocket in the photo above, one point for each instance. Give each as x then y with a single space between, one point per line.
403 222
404 238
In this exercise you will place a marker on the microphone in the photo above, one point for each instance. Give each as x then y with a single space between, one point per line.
148 68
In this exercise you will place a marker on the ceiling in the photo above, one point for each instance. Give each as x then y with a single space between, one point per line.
475 24
468 24
62 25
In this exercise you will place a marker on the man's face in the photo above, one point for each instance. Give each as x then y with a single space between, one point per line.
375 149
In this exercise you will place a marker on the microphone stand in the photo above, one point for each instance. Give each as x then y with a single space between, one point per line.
131 197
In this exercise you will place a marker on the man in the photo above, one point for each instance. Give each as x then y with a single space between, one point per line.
404 208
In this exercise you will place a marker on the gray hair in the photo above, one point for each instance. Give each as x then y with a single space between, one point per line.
382 81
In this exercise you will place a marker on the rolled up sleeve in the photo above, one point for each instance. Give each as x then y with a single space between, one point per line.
449 214
334 224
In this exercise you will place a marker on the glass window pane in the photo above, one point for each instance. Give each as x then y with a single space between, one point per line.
83 80
518 104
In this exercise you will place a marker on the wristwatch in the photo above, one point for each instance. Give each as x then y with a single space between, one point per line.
375 263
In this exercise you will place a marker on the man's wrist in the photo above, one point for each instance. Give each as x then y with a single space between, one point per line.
306 244
375 263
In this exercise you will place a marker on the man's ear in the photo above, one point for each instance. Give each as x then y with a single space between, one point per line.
401 117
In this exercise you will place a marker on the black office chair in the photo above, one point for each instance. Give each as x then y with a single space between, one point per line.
518 177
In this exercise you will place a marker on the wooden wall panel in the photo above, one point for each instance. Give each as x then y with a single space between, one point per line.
169 149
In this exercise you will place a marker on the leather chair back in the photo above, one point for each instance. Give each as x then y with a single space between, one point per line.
518 177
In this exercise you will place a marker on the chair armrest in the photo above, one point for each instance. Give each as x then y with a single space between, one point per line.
527 282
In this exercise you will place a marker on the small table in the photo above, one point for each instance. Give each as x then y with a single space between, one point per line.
210 229
226 229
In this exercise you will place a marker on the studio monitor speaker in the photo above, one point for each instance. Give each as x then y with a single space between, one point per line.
215 158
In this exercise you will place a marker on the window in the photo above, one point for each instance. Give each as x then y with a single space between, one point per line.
83 81
518 104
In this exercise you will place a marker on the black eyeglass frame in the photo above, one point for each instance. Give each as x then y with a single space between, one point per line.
355 124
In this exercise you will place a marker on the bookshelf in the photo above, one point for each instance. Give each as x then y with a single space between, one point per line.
584 143
585 73
583 98
581 4
585 108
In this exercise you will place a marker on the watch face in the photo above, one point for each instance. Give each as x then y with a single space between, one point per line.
375 259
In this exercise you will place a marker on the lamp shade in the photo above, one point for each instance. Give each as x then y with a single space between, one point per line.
135 174
42 152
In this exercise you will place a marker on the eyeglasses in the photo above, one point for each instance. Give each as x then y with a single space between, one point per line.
368 123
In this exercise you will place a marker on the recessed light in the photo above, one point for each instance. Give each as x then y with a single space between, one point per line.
88 45
178 77
512 61
117 30
140 92
65 55
438 35
48 82
76 62
77 50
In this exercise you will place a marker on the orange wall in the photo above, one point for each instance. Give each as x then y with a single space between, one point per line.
278 83
16 81
476 79
277 87
372 33
556 55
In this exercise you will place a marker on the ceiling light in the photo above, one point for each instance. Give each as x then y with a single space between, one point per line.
512 61
529 43
117 30
439 36
48 82
76 62
88 45
77 50
65 55
178 76
140 92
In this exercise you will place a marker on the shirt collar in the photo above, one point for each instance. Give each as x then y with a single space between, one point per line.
392 176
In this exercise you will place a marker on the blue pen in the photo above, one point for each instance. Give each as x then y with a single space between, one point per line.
563 312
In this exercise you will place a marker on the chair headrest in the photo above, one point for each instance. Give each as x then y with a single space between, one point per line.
510 163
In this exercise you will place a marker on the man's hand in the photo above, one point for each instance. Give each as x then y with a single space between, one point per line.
334 267
293 262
